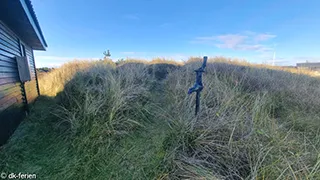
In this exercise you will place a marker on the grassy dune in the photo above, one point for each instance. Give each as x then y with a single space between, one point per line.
96 120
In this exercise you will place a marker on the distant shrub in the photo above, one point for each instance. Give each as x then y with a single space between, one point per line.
44 69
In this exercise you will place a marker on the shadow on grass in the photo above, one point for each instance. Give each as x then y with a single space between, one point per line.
11 118
9 121
14 117
35 135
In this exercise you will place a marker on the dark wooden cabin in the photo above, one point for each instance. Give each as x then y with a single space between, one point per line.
20 34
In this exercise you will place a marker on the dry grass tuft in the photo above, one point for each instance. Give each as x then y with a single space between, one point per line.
53 82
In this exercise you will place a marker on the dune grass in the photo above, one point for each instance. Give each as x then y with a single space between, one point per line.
96 120
254 123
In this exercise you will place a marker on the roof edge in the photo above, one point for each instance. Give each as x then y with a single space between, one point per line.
27 7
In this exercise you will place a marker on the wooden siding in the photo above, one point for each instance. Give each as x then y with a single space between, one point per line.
11 103
10 90
12 98
10 86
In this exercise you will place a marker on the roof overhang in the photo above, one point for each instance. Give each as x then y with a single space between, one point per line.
20 17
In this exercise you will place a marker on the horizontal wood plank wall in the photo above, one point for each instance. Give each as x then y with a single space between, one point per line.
11 111
10 91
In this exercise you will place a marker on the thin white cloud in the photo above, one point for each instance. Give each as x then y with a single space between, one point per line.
62 58
48 64
222 41
153 55
176 57
286 61
129 53
55 61
307 59
251 47
230 41
134 53
247 41
264 37
57 58
257 37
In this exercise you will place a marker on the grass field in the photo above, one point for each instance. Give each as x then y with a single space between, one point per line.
135 120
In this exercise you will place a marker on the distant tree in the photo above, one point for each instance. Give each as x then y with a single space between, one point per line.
106 54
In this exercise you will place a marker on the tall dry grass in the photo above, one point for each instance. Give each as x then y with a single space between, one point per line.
53 82
255 123
104 97
136 121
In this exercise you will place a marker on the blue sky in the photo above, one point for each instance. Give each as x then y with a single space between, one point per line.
245 29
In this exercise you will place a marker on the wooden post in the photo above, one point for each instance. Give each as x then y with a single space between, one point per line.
35 71
198 86
197 102
24 97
